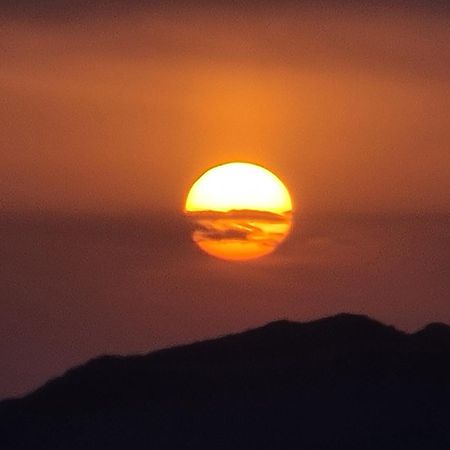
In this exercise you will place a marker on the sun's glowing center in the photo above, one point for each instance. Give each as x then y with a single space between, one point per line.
238 186
240 211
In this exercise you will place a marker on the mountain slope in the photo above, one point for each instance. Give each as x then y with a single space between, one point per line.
341 382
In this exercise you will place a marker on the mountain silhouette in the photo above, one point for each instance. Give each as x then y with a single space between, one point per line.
343 382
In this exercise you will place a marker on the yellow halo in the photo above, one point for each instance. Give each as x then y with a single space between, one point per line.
240 211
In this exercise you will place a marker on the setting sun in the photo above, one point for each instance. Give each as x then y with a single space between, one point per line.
240 211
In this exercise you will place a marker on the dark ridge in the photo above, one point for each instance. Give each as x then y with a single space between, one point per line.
342 382
435 329
435 335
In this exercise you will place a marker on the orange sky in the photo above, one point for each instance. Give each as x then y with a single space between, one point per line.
116 113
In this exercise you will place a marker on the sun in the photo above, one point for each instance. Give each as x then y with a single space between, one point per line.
240 211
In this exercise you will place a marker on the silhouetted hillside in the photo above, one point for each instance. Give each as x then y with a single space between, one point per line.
344 382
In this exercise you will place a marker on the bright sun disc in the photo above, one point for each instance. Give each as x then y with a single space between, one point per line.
240 211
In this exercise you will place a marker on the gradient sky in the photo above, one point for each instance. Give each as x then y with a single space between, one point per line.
109 113
120 112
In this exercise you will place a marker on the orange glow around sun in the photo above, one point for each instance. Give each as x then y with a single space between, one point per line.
239 210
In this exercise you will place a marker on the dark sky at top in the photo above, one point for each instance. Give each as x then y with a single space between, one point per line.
67 8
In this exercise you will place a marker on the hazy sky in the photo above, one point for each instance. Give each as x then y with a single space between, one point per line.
109 113
113 111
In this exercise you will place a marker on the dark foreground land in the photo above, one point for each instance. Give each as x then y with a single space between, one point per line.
345 382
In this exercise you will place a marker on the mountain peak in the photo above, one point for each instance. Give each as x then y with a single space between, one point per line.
340 326
436 328
341 318
436 335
